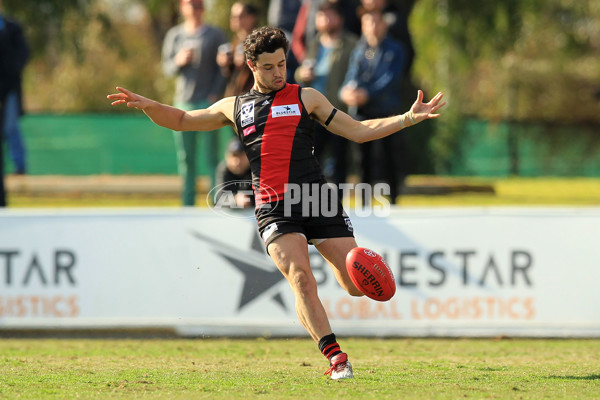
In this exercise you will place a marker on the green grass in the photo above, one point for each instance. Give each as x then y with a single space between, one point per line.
18 200
519 191
293 368
507 192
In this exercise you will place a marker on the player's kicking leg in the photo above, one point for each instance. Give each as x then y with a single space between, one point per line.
290 253
334 251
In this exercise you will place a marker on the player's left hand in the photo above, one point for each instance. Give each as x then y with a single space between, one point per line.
421 111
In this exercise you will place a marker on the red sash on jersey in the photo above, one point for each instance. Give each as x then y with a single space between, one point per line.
277 141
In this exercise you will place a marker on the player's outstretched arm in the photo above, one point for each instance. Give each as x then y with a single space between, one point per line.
363 131
216 116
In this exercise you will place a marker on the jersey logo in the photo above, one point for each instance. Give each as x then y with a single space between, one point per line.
349 224
285 111
269 230
249 130
247 116
265 103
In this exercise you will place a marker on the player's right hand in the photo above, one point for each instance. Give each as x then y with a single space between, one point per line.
128 97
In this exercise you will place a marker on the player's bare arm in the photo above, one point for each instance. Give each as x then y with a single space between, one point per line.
214 117
363 131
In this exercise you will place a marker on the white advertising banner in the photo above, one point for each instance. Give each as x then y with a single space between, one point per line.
459 272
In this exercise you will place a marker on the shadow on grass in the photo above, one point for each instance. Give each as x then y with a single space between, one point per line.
594 377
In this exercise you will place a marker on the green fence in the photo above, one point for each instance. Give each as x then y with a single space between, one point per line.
521 149
131 144
89 144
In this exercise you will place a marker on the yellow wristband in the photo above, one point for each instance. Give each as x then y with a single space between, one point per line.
401 121
407 115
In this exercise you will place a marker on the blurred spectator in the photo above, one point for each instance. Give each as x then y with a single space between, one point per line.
396 18
305 29
324 69
2 191
371 90
234 179
190 53
242 20
13 57
14 54
282 14
351 15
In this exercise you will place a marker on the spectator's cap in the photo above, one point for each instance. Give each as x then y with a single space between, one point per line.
235 146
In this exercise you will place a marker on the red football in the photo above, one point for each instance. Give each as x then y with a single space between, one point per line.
370 274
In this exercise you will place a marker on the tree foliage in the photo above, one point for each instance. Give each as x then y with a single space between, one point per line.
81 49
515 60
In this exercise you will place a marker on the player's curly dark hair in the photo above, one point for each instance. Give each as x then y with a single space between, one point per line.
264 40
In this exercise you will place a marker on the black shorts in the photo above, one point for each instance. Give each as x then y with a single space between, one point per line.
275 220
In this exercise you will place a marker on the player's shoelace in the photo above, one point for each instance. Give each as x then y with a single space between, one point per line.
337 368
339 364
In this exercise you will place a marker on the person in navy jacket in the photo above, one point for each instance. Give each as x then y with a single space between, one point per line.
372 89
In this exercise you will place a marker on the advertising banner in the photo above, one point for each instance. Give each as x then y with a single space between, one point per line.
459 272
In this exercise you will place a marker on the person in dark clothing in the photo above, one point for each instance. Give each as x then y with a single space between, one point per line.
372 90
396 17
243 18
233 178
2 190
324 69
14 53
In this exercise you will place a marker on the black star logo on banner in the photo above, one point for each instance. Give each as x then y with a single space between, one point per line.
256 280
259 276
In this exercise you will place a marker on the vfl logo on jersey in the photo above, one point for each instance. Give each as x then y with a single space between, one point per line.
285 111
247 116
349 224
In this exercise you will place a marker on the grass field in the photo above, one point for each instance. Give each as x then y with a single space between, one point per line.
293 368
506 192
